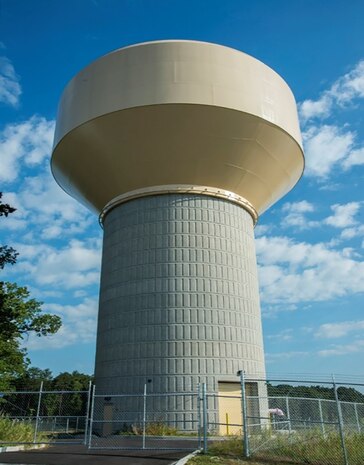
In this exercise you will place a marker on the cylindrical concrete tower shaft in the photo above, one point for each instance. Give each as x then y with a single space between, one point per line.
179 298
179 146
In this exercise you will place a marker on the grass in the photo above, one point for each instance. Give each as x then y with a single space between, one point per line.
305 448
12 431
314 449
216 460
229 452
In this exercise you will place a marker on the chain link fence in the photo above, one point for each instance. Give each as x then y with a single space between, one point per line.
318 423
309 422
41 417
145 421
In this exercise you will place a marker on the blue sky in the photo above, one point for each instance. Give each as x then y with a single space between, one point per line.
310 245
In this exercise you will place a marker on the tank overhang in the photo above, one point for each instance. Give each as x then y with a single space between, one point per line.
177 144
177 112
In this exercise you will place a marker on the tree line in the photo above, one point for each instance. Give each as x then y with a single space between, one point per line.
345 394
309 402
63 395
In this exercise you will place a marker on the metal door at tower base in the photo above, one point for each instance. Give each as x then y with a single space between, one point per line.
230 407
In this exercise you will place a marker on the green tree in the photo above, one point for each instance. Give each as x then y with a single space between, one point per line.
30 381
74 381
73 403
7 254
32 378
61 395
20 316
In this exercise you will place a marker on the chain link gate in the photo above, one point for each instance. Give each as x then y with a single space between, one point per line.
168 421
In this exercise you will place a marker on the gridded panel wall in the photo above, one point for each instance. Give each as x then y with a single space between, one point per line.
179 297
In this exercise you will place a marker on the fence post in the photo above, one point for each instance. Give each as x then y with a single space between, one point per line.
199 399
87 417
91 416
322 419
144 412
341 426
204 414
38 413
288 415
357 417
244 416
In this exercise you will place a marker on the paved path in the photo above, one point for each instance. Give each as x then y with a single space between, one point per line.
80 455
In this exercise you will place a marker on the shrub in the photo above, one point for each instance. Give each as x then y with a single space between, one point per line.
151 429
15 431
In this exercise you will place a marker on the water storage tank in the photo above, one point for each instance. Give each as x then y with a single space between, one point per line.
178 146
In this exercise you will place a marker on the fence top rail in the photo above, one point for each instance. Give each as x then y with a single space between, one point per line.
149 394
294 398
316 382
11 393
321 399
291 420
148 420
46 416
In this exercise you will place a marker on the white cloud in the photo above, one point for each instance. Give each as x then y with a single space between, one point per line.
349 86
272 356
45 215
344 349
29 252
336 330
10 89
29 142
272 311
343 216
42 195
295 214
292 272
87 308
298 207
42 207
326 147
284 335
312 109
355 158
72 267
350 233
80 293
47 211
261 229
342 92
78 327
329 146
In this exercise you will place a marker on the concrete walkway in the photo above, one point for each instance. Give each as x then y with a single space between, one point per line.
79 455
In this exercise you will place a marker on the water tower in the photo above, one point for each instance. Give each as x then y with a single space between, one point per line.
178 146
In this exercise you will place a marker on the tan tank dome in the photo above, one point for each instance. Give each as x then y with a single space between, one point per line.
177 115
